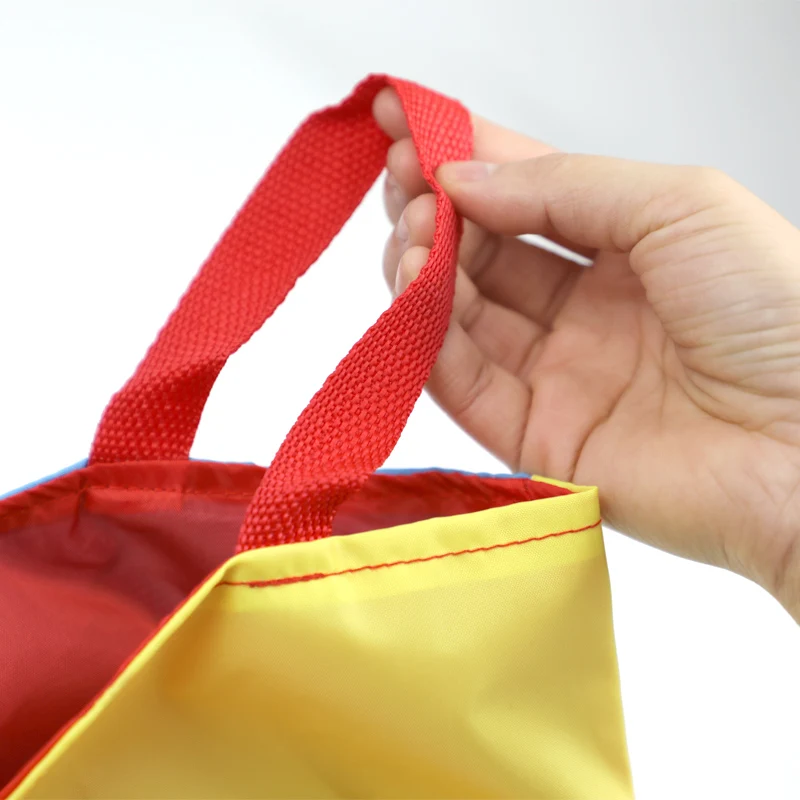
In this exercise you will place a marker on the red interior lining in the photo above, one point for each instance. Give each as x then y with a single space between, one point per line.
90 562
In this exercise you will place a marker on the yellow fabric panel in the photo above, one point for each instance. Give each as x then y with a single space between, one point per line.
485 668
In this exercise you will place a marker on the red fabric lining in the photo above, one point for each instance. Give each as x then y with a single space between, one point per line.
8 789
315 576
92 561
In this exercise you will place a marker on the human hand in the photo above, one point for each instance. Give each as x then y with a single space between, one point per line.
667 373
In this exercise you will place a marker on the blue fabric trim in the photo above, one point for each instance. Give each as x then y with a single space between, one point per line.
446 471
65 471
403 471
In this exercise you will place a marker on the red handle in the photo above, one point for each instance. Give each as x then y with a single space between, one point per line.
351 425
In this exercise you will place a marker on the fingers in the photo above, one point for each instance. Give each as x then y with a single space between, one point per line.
404 180
700 244
511 273
502 335
492 142
484 398
388 113
394 198
520 276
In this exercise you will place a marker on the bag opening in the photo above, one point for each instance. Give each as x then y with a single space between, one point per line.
92 561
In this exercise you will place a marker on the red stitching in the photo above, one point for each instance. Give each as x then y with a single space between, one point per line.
315 576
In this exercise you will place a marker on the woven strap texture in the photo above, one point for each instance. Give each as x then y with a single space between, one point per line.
352 424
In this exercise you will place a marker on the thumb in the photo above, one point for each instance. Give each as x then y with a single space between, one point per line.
718 266
603 203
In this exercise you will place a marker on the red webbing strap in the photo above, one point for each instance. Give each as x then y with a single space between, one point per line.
352 424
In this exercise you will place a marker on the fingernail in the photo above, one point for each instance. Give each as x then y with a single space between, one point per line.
401 229
466 171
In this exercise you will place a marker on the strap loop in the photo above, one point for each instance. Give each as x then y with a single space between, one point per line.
351 425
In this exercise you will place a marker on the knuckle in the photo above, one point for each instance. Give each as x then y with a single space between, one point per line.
709 183
401 161
420 211
394 155
551 165
413 260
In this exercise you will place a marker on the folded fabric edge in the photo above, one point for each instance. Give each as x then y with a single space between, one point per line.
390 471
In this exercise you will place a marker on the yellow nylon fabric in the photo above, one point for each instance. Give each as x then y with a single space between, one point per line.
486 667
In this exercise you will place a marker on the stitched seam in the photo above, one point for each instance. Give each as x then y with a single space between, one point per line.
315 576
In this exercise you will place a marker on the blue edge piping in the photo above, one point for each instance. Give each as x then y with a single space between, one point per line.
82 464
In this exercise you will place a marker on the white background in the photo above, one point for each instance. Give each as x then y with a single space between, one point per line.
129 134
